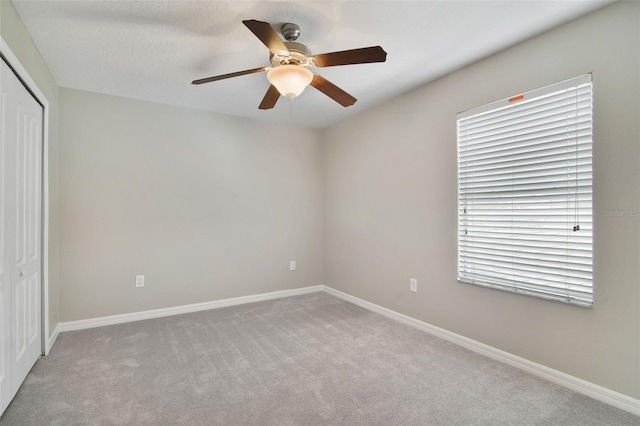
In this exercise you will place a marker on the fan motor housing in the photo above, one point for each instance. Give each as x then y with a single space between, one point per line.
299 55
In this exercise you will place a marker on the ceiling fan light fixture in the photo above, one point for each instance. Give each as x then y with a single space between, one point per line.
290 59
290 80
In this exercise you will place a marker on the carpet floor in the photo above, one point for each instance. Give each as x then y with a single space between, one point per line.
303 360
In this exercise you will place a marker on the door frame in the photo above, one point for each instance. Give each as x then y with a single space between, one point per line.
22 73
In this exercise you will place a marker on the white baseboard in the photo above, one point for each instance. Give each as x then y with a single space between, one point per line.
52 339
184 309
584 387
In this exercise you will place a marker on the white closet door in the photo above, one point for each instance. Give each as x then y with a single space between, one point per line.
5 299
21 236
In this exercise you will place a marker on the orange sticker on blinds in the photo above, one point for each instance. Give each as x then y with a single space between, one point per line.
516 98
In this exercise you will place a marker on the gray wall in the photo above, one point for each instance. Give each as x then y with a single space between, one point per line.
16 36
205 206
390 204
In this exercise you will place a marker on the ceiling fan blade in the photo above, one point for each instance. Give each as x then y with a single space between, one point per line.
363 55
270 98
268 36
223 76
332 91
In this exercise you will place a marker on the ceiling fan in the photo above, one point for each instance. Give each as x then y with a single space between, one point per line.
291 61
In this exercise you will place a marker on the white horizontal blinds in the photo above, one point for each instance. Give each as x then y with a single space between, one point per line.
524 185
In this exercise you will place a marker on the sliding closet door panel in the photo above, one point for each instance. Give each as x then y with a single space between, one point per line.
27 257
5 258
21 236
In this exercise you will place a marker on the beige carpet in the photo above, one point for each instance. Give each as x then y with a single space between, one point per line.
305 360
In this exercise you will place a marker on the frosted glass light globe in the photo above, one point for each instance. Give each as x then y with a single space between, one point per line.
290 80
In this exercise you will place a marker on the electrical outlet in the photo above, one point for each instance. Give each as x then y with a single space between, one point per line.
139 280
292 265
413 285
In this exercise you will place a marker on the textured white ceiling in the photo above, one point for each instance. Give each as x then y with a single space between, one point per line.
152 50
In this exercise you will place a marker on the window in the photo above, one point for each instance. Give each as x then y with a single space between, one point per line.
525 193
